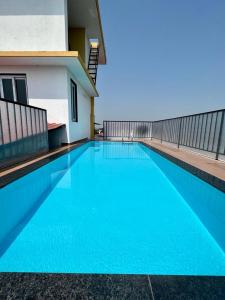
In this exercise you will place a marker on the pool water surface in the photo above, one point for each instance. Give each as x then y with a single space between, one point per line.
115 208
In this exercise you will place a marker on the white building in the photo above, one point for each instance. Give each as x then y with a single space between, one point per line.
44 54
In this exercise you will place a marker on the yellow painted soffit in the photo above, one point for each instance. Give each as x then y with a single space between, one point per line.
54 54
39 54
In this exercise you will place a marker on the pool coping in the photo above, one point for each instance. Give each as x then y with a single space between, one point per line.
205 176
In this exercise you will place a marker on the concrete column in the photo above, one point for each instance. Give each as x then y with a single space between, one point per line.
92 118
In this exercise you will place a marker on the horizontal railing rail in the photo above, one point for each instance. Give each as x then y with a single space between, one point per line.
22 104
202 132
23 131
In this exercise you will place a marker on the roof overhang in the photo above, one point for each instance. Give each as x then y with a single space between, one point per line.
69 59
86 14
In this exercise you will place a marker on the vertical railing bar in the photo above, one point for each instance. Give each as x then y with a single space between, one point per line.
7 112
161 130
215 131
206 123
185 129
193 130
1 127
31 122
35 121
201 131
210 127
188 125
14 110
46 126
179 133
197 134
220 135
191 127
174 130
26 121
39 121
21 123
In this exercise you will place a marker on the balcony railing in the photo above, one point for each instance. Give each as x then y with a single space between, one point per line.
23 132
201 132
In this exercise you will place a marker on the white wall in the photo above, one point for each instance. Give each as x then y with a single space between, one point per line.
49 88
81 129
33 25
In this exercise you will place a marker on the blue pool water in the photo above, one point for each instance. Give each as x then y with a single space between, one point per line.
112 208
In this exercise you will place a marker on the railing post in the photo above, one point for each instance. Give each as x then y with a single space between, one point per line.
103 130
179 133
106 125
220 135
2 137
129 130
162 132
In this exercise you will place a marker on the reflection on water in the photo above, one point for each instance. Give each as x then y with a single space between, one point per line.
205 200
21 199
123 150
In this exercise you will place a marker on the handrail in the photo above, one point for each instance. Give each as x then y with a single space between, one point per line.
22 104
185 116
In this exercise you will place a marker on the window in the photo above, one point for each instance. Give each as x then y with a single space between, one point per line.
13 88
74 101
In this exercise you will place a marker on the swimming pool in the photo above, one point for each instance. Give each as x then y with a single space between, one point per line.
110 207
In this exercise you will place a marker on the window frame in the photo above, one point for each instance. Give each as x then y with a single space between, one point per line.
13 77
74 102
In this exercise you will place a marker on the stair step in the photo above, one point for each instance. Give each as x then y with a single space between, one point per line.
93 63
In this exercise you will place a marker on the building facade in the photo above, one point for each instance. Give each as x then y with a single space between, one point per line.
45 61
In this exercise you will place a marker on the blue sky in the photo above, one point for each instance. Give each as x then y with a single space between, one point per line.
165 58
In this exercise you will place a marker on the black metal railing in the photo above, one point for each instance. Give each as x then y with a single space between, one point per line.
23 132
127 129
202 132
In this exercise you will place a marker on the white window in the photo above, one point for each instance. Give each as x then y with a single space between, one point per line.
13 88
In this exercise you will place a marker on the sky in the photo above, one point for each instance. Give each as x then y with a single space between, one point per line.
165 58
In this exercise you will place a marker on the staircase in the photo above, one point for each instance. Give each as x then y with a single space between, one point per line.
93 62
